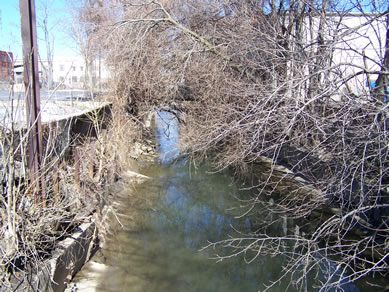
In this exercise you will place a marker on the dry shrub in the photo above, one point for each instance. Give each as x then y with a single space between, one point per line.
78 173
263 88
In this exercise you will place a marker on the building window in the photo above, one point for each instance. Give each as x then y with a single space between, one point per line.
61 67
74 79
74 68
82 69
3 58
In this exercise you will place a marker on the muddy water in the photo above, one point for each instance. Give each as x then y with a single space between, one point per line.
168 220
174 216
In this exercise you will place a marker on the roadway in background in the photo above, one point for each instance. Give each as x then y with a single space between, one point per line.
80 95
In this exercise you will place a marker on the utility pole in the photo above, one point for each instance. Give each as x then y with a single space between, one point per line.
32 96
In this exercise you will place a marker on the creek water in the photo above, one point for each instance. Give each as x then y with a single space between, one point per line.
168 219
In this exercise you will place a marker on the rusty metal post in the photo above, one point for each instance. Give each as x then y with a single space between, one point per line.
76 156
32 95
91 159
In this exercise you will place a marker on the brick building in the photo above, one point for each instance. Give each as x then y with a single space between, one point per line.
6 60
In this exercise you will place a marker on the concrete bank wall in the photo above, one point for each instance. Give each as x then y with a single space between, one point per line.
71 254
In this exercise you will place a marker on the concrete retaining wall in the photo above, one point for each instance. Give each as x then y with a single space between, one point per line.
67 260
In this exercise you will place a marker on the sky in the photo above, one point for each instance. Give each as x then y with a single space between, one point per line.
59 21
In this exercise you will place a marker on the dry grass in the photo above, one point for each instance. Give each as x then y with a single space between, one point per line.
78 180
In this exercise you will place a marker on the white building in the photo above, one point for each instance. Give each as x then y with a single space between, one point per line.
69 73
361 46
358 44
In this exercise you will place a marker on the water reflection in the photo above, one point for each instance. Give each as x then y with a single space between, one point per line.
175 215
167 135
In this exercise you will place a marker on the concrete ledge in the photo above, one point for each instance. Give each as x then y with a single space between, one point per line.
71 254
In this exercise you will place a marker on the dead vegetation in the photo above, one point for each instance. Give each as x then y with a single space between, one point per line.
262 82
274 81
78 172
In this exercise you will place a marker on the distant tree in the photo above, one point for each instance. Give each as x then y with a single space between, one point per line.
87 16
45 24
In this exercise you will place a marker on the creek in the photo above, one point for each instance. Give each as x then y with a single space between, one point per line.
171 217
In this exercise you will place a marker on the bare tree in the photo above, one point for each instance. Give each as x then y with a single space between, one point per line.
382 81
275 89
86 21
44 24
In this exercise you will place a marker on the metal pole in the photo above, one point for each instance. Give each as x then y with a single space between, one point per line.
32 95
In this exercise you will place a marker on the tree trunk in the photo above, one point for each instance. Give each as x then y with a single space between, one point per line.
380 90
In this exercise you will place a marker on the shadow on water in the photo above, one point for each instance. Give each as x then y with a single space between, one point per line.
174 215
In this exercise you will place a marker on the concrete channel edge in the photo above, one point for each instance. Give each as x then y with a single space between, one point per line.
72 253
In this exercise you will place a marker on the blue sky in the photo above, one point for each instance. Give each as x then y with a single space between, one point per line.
59 20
